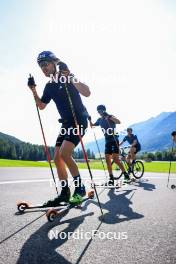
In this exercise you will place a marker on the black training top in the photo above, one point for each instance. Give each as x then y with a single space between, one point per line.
57 92
108 128
131 139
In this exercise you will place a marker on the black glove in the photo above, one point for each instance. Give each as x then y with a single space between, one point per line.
31 81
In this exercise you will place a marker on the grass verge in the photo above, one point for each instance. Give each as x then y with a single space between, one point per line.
97 165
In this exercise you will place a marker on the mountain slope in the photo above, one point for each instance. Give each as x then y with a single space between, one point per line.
13 148
159 137
9 138
144 127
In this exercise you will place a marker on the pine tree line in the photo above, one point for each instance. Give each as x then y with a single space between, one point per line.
167 155
78 154
27 151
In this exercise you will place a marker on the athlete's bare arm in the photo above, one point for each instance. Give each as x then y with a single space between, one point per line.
115 120
81 87
38 101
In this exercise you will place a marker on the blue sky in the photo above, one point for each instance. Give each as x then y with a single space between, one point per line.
19 27
124 50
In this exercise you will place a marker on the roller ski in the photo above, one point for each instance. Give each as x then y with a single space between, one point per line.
62 203
61 200
75 202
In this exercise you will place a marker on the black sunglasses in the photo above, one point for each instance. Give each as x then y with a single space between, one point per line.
44 64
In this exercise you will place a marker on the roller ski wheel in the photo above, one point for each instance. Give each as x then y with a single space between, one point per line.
51 215
91 194
22 206
173 186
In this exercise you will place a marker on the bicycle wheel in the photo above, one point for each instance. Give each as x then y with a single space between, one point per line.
138 169
117 173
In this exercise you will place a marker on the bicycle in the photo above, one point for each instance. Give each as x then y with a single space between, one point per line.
136 168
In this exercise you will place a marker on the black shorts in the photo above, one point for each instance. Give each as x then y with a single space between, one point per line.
69 132
138 148
112 147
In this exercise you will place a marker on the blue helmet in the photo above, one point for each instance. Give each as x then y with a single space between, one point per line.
47 56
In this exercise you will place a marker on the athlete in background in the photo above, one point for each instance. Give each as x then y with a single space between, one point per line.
108 124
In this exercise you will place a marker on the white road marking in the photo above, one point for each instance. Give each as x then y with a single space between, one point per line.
95 178
24 181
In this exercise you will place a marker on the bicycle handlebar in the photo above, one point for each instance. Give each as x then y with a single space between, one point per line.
129 146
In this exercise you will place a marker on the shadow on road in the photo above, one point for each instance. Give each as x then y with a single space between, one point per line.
145 185
40 249
118 207
19 230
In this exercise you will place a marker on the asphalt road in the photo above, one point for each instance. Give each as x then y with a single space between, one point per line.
139 223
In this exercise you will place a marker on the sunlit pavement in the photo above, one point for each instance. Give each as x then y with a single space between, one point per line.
138 226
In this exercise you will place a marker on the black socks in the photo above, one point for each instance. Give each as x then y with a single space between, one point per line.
77 181
111 177
64 185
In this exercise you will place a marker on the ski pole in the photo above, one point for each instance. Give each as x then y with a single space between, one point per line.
170 164
44 139
47 150
98 150
84 152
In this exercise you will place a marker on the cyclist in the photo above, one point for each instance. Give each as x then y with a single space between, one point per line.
134 148
108 124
